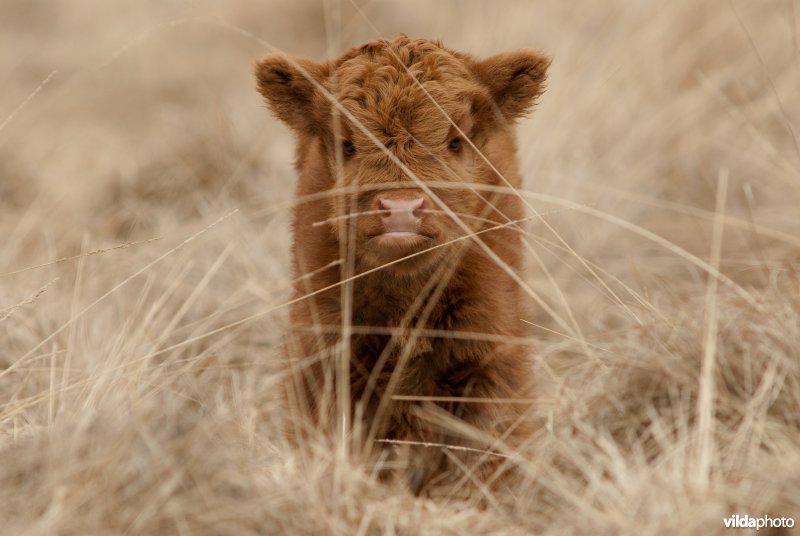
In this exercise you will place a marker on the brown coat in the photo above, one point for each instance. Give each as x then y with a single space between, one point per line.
405 150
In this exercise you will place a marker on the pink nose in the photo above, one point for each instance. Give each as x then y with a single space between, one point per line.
402 217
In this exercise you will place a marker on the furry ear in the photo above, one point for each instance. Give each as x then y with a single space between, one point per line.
514 79
286 83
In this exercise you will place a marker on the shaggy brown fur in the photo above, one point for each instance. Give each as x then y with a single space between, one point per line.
394 140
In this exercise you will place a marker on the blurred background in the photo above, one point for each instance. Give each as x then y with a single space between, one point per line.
131 118
131 130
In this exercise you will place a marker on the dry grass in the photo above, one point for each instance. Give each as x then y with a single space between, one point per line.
137 383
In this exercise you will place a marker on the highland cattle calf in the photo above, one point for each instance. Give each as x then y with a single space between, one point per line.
407 324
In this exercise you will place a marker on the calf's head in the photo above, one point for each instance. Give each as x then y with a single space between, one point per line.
394 139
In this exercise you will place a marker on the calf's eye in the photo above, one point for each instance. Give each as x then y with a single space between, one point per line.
455 145
348 148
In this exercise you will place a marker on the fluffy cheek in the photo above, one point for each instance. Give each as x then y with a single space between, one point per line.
464 196
341 198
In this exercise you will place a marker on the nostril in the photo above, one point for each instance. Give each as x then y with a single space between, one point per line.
419 208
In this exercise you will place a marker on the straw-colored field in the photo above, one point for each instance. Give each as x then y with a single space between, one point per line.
144 265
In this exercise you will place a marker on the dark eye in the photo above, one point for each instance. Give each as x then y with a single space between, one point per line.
348 148
455 145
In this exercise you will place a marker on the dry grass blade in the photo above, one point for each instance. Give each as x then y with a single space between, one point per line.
87 254
705 400
30 97
110 292
139 388
8 311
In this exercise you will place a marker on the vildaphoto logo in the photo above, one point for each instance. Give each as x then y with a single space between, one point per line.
748 522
